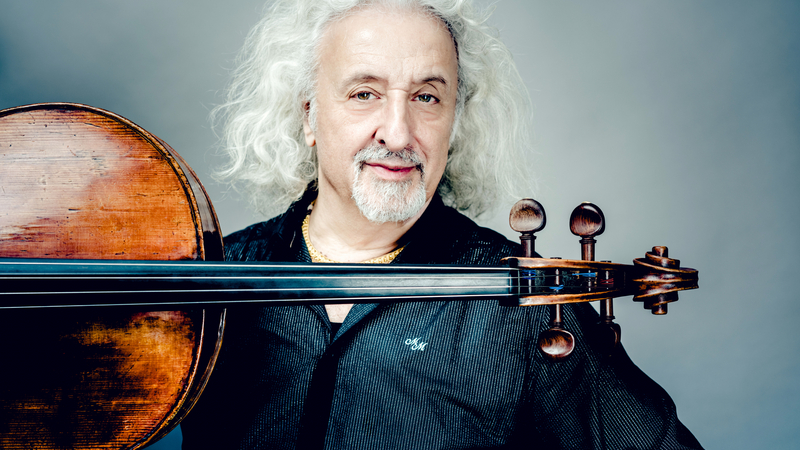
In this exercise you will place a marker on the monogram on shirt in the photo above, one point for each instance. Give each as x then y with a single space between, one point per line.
416 344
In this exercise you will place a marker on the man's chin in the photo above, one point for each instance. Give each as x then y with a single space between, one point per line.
382 201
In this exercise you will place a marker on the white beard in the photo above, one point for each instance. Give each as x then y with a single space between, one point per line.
382 201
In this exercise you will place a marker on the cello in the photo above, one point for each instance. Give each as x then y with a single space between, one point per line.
98 212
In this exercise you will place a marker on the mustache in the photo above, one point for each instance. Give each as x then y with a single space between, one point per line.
375 152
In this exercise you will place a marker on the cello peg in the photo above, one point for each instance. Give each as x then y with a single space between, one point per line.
608 332
556 343
587 221
608 336
527 217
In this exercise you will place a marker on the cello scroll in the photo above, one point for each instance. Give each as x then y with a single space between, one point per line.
654 279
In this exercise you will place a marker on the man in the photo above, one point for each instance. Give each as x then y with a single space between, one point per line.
372 113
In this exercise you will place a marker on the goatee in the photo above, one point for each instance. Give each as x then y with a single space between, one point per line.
382 201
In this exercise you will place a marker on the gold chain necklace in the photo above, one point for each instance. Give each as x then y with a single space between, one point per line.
317 256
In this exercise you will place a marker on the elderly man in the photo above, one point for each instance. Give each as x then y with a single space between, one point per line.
369 117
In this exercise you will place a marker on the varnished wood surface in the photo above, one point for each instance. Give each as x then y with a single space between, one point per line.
76 184
654 279
80 182
79 380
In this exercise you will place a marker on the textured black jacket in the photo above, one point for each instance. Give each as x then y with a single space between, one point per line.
435 375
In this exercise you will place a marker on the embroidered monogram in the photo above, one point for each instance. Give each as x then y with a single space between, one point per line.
416 344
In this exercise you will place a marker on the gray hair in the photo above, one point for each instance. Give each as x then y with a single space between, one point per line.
276 75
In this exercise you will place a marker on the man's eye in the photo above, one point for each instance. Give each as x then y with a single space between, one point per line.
364 95
426 98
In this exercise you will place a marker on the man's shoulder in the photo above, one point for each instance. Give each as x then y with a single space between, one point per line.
258 242
480 245
447 236
254 232
272 240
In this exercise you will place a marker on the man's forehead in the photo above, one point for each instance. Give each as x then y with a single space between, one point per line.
396 46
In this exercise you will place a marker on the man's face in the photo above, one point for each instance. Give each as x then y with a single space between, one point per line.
385 105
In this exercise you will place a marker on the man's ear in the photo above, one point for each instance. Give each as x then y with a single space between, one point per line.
309 133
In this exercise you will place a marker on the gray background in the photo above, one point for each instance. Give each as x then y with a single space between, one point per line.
680 119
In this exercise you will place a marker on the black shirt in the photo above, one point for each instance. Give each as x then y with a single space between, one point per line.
425 375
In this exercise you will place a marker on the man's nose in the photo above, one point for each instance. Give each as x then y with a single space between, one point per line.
394 131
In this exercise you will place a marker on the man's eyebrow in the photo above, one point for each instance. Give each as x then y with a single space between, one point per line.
364 77
434 79
359 78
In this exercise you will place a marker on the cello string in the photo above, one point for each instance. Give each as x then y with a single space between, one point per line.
299 300
517 289
112 277
520 282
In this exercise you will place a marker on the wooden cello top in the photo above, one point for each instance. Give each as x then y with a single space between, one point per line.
79 182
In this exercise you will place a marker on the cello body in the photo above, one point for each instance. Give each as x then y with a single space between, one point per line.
79 182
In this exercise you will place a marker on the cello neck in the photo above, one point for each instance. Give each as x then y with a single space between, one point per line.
41 283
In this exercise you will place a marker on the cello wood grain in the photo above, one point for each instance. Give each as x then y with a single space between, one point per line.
80 182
